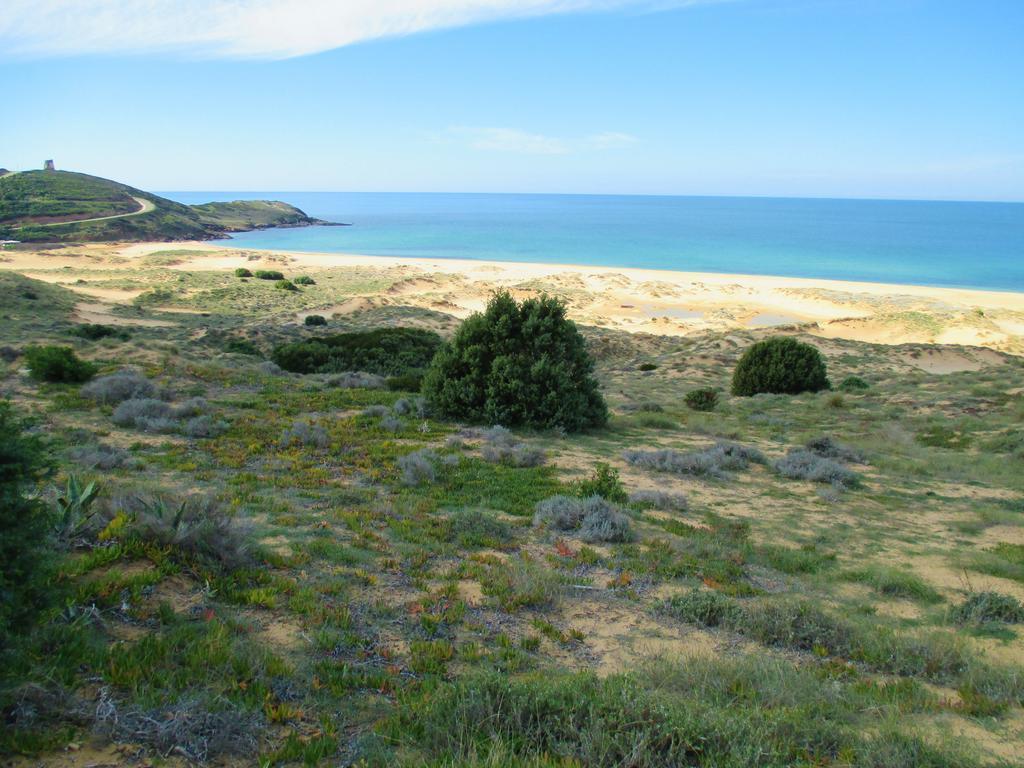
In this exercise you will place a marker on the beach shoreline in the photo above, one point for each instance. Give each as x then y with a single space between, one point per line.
634 299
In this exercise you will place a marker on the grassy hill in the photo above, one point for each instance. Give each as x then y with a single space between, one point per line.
62 206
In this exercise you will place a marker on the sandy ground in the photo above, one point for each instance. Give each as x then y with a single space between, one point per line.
639 300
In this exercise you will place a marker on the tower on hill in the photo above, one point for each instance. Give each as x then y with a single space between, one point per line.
48 166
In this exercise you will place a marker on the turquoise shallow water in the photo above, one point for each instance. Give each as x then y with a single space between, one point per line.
977 245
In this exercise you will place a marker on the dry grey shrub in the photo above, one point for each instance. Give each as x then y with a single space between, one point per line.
306 432
118 387
801 464
391 424
418 467
376 411
596 518
197 729
662 500
205 426
714 461
500 446
102 456
151 415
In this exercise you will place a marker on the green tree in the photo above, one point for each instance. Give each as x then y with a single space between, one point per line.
517 364
780 365
24 520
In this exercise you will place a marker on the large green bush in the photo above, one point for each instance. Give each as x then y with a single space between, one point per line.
780 365
384 351
24 521
58 364
517 364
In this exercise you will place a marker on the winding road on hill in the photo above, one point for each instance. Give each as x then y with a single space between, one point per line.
145 206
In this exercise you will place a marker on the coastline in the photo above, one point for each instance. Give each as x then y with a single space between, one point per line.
632 299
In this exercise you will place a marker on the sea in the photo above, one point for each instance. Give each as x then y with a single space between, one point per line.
951 244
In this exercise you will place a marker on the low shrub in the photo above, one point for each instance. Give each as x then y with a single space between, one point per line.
827 448
562 513
198 527
604 482
802 464
780 365
304 280
118 387
988 607
477 528
356 380
204 426
315 320
97 331
58 365
500 446
595 518
147 414
242 347
418 467
151 415
714 461
242 272
604 522
102 456
647 367
269 274
703 399
854 384
306 432
384 351
285 285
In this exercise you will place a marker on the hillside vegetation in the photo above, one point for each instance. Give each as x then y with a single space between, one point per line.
278 568
62 206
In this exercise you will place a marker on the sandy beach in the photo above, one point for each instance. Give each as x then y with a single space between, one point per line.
636 300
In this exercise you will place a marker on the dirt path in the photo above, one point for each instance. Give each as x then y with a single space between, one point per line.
145 206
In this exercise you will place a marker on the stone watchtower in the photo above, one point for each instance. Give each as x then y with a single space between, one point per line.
48 166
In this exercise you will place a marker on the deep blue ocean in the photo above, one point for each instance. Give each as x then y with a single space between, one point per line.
961 244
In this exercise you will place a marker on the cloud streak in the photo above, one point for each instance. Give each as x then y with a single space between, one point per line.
519 142
257 28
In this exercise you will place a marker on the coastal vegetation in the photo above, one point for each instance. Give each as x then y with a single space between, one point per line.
517 364
780 365
63 206
249 540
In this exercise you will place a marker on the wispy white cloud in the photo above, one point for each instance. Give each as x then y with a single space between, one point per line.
256 28
525 143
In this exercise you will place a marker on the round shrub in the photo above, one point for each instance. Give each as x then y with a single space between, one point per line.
269 274
314 319
242 272
304 280
58 364
703 399
647 367
517 364
780 365
285 285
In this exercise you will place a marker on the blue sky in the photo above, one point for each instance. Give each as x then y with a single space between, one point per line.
842 98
